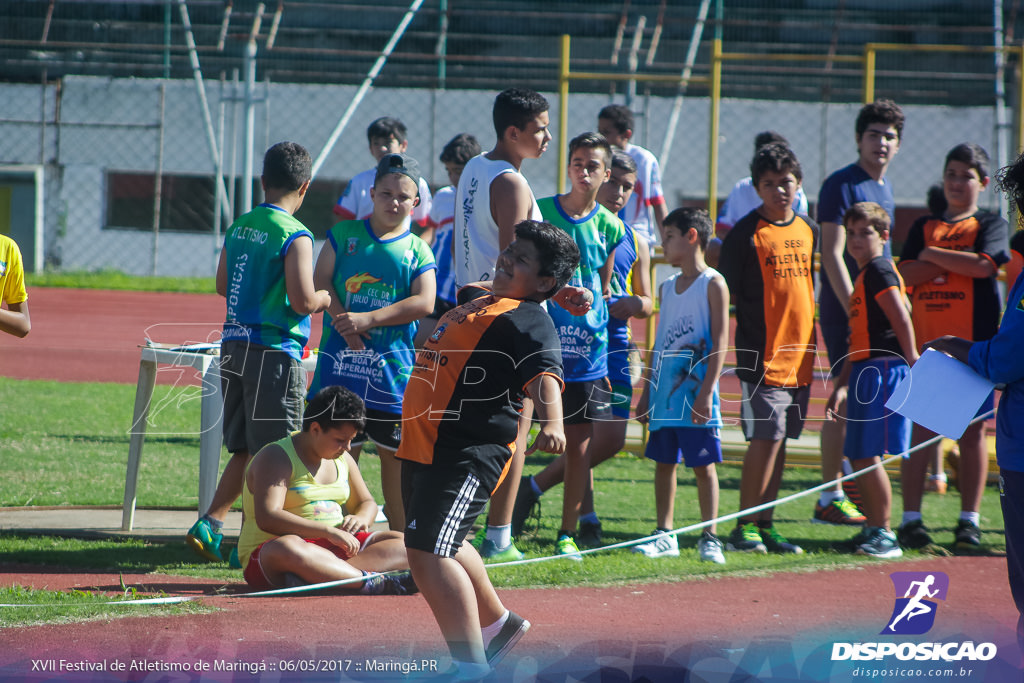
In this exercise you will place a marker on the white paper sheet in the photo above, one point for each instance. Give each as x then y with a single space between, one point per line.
940 393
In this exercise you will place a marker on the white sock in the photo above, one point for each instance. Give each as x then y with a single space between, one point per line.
500 536
972 517
827 497
494 629
909 517
940 477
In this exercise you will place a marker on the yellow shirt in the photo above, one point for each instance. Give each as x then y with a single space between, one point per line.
12 273
306 498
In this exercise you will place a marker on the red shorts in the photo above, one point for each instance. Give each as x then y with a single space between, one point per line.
253 572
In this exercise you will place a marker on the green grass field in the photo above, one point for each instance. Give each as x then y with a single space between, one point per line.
67 444
112 279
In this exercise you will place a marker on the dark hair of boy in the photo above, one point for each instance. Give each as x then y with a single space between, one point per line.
623 161
332 407
620 116
592 141
557 253
875 215
885 112
460 149
777 158
1010 181
286 166
687 217
386 127
517 107
767 137
936 200
971 155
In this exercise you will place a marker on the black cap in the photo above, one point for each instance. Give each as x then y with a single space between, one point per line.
401 164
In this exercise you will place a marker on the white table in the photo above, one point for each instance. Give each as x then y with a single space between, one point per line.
210 423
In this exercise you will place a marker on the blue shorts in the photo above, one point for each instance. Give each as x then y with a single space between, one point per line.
871 428
694 446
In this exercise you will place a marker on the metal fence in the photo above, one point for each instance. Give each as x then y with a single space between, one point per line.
137 172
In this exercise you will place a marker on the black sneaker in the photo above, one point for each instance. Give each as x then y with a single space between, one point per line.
513 629
914 535
966 538
590 534
527 505
391 584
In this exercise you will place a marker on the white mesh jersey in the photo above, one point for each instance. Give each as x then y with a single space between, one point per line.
475 234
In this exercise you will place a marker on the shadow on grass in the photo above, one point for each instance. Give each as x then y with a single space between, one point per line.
123 439
60 555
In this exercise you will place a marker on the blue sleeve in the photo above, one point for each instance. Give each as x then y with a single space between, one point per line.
999 359
831 201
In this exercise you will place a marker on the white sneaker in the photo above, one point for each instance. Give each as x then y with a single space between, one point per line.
709 548
663 545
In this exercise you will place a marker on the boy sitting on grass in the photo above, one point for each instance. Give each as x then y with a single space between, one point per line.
460 419
295 530
882 349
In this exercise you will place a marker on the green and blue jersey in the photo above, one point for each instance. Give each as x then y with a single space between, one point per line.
369 274
258 309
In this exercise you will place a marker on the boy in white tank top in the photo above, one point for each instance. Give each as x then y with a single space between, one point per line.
680 400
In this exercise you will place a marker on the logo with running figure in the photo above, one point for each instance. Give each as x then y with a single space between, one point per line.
916 596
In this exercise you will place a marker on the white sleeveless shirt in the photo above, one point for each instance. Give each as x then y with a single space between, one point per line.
682 345
475 234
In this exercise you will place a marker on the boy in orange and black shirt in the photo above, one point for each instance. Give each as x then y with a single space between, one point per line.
460 418
767 260
951 261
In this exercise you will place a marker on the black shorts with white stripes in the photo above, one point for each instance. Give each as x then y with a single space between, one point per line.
441 504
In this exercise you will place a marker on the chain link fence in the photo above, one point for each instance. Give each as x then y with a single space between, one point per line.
132 158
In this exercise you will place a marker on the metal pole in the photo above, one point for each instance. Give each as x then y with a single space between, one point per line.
563 112
716 110
197 76
218 172
365 86
159 181
1002 120
691 58
249 66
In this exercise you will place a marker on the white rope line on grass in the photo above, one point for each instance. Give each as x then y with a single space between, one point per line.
533 560
741 513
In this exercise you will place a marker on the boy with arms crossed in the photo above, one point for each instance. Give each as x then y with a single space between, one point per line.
878 129
683 408
769 256
952 261
266 274
584 339
630 298
461 418
381 280
882 349
294 529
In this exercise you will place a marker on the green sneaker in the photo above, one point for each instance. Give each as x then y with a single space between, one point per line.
746 538
490 552
205 541
566 547
777 543
233 560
